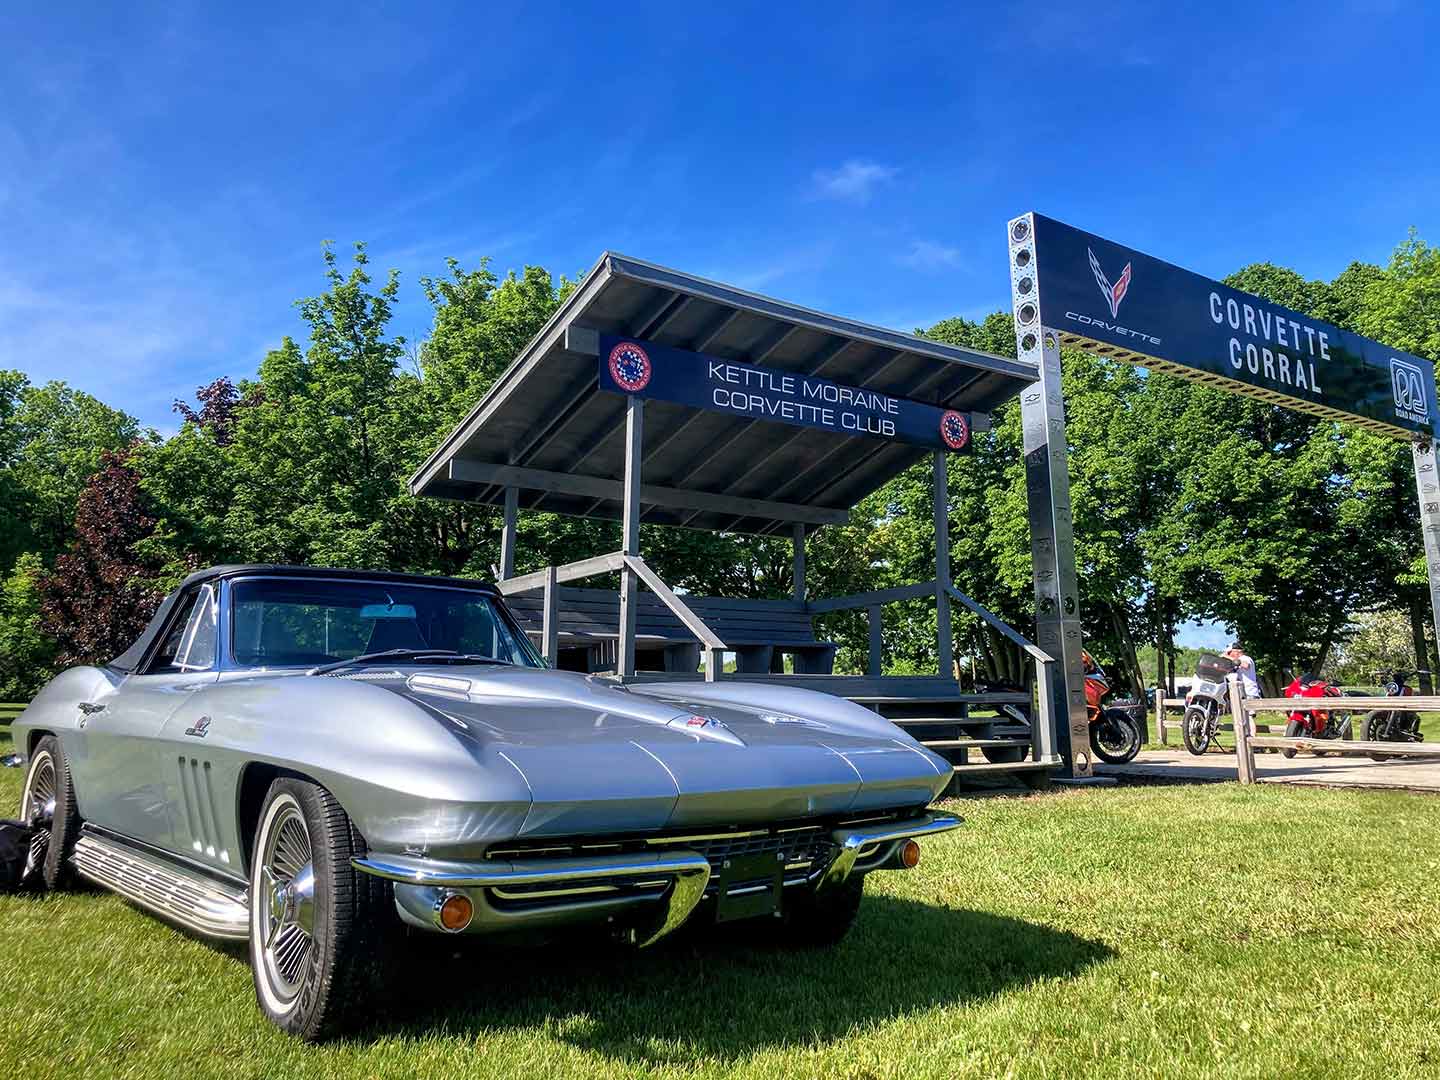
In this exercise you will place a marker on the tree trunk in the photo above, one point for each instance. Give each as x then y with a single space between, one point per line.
1170 649
1422 647
1323 653
1129 661
1159 646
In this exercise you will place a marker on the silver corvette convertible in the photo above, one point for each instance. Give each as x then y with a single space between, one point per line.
321 761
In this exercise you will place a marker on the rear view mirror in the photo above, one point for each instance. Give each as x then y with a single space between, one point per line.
388 611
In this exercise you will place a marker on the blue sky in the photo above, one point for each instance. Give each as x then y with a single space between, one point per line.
167 173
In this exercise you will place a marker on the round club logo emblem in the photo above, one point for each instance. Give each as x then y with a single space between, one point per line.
953 429
630 366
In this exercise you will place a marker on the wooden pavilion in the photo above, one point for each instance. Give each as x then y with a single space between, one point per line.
553 434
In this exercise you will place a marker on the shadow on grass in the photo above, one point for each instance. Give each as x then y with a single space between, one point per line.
718 997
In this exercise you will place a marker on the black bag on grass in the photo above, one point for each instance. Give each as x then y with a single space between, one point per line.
14 852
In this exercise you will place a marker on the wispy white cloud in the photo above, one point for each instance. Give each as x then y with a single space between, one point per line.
929 255
758 277
855 181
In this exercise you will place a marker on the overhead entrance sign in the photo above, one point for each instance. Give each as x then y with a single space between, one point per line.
1121 303
1070 287
648 369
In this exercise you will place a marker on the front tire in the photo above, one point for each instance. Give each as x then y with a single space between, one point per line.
1293 730
1115 738
316 923
820 919
1379 727
1196 727
48 801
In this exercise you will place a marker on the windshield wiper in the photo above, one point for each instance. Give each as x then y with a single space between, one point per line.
384 654
421 656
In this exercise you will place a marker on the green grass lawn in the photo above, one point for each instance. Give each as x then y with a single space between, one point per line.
1159 931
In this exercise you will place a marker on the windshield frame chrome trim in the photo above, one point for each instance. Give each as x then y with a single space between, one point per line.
229 662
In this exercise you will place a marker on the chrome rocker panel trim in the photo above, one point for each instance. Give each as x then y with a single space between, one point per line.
200 904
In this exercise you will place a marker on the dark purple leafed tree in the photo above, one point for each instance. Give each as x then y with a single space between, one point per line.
103 590
219 403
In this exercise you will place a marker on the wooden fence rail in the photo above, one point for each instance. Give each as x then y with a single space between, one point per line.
1247 742
1163 725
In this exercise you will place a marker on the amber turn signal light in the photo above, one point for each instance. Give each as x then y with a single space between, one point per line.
456 911
910 854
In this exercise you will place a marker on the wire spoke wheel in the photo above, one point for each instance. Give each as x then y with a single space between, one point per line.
1198 730
286 900
1112 736
37 808
1115 738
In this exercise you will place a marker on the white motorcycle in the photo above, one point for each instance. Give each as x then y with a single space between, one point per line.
1207 701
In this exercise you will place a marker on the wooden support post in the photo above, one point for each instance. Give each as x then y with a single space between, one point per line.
1244 752
877 641
550 625
941 496
630 517
797 572
507 533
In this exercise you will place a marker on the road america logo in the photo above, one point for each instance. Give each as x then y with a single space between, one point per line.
1408 383
1113 293
954 429
630 367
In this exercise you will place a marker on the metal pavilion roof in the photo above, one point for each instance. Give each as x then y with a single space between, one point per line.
547 429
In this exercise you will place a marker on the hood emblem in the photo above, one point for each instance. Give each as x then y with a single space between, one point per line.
781 718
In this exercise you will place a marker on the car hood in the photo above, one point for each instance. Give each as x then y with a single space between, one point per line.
599 756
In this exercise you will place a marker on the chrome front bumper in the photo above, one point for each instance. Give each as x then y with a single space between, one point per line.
665 886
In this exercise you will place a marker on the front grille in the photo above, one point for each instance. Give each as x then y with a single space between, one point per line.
799 847
806 849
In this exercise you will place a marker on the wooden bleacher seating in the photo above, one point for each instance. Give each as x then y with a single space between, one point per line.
760 632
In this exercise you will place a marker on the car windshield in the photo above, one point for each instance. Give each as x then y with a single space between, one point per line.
294 622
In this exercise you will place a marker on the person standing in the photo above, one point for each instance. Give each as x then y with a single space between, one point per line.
1244 669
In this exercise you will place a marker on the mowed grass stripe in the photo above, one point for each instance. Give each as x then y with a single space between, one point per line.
1176 931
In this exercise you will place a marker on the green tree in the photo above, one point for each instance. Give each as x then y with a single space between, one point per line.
315 457
52 437
27 653
1378 641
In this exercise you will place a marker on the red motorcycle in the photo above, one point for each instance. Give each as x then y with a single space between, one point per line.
1115 733
1315 723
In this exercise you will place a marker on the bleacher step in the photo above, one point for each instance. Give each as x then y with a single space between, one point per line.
1002 767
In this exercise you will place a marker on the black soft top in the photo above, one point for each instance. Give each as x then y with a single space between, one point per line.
130 659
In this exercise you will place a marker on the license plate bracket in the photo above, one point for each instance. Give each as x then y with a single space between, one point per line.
758 882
